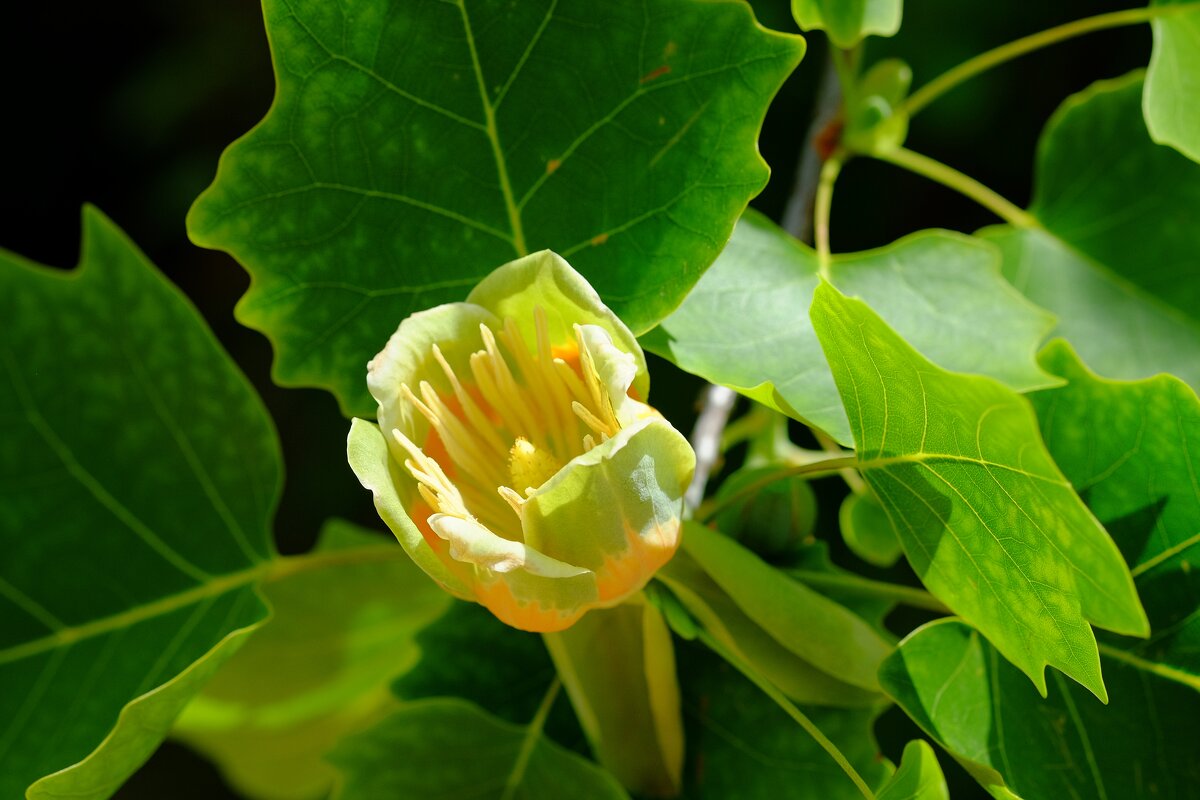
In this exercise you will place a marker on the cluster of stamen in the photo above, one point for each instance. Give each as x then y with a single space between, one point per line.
529 414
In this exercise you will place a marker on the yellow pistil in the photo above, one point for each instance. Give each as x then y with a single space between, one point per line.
548 411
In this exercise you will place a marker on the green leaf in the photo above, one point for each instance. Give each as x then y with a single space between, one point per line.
983 711
412 148
140 476
319 670
867 530
788 631
848 21
986 519
919 777
1173 79
741 745
1132 450
942 291
1117 257
448 748
508 683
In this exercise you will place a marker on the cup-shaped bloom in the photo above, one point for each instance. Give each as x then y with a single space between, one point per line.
524 471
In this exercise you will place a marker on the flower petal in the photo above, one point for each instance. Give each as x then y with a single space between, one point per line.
616 509
545 279
408 359
475 544
367 452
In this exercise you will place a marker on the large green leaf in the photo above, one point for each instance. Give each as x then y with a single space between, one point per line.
741 745
919 777
942 291
986 519
847 22
319 670
976 705
414 147
1117 256
1132 450
140 475
814 649
1171 101
447 748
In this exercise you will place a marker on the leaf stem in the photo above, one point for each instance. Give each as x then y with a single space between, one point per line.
1006 52
795 713
953 179
817 468
822 207
865 587
532 734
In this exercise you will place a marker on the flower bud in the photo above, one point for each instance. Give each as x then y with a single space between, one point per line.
524 470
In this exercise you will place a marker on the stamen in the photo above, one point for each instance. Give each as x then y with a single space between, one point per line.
507 385
462 446
591 420
515 500
482 425
535 389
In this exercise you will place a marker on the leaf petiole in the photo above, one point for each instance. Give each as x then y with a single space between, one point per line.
827 466
1027 44
953 179
822 206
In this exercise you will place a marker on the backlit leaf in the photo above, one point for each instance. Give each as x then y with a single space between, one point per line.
848 21
984 712
1173 79
941 291
1118 256
139 478
320 669
985 518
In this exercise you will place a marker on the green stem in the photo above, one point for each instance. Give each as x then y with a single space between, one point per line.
1006 52
796 714
822 207
532 734
865 587
953 179
816 468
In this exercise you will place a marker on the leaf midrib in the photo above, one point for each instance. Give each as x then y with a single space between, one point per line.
266 572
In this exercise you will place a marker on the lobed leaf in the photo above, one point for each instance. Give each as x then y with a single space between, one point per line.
983 711
1115 257
985 518
140 475
919 777
1173 79
940 290
319 670
847 22
414 147
1132 450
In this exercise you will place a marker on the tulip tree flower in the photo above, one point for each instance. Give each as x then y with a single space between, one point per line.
517 463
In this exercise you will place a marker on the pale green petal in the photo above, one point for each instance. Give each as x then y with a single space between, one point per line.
616 509
408 359
545 279
617 371
367 452
475 544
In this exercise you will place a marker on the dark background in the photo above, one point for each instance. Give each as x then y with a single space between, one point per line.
128 105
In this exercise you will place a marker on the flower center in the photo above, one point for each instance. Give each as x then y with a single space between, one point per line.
550 410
